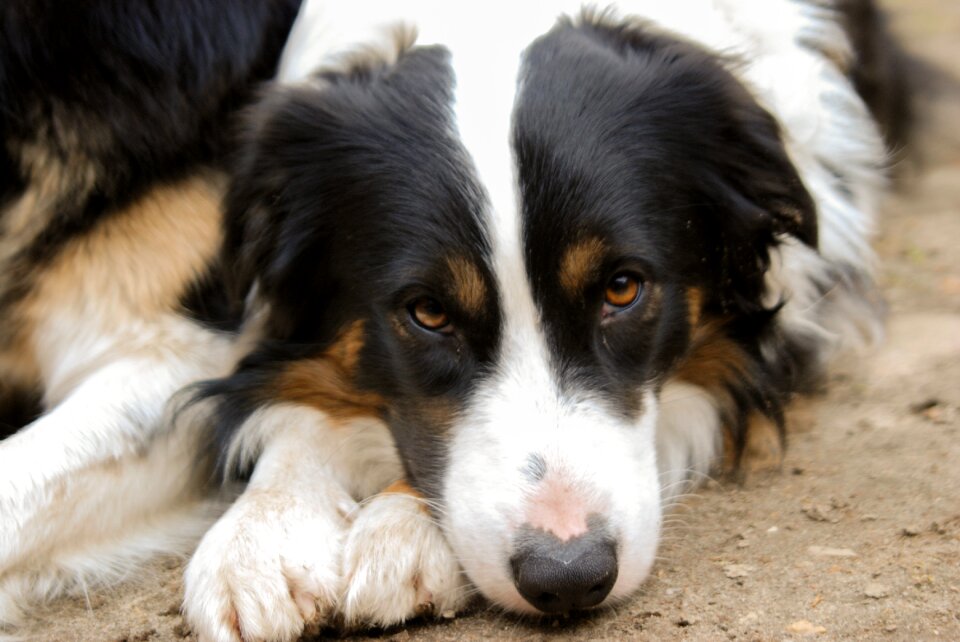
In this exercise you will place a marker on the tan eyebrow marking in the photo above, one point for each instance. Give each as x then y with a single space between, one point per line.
580 263
469 287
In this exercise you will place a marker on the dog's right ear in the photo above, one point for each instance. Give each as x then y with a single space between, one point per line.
322 164
275 237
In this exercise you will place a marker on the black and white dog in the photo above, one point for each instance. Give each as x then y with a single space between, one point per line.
510 278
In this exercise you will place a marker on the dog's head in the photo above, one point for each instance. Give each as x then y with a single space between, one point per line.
516 346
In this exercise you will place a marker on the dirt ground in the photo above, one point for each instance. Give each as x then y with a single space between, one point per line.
858 537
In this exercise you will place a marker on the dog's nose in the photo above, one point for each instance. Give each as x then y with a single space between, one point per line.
557 576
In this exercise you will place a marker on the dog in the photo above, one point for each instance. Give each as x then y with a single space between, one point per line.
510 281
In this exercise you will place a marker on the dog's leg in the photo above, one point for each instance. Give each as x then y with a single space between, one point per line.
397 564
271 566
94 485
114 413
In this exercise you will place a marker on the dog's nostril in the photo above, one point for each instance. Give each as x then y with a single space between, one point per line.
599 588
557 576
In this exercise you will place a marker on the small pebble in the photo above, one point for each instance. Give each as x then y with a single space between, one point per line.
803 627
826 551
736 571
911 531
926 404
876 590
173 609
819 513
95 601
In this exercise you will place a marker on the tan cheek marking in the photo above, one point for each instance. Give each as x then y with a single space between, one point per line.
713 361
580 263
325 382
346 349
469 287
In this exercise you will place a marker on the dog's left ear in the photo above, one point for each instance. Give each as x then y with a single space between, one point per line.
714 126
275 208
694 123
757 182
756 196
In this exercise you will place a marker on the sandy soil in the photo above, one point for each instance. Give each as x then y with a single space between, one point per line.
858 537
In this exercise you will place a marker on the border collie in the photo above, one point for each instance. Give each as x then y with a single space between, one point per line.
510 278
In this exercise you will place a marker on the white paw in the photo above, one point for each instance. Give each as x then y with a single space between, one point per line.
397 565
269 569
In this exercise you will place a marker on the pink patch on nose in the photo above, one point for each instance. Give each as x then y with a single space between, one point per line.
558 508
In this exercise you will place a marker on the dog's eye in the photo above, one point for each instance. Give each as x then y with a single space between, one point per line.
622 291
429 314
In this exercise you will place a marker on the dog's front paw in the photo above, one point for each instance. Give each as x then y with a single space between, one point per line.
397 565
268 570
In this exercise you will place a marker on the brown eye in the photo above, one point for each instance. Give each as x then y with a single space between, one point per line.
429 314
622 290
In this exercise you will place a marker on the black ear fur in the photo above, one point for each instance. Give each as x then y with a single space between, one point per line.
269 235
713 138
327 166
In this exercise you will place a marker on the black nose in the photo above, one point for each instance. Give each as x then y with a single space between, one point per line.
557 576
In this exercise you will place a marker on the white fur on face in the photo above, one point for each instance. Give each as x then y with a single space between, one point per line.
604 465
